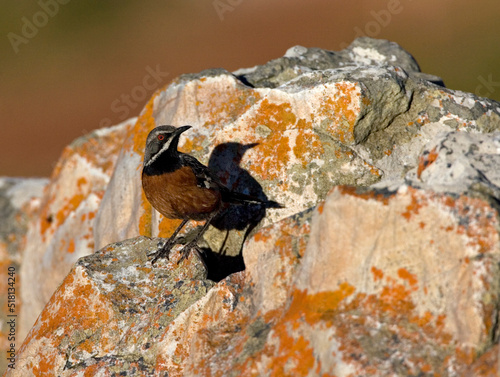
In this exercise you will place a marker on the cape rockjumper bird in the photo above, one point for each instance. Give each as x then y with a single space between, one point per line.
179 187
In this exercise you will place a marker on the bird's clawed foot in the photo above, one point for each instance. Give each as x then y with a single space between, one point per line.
164 252
186 250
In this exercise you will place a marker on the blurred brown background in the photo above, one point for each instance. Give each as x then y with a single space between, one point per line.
68 67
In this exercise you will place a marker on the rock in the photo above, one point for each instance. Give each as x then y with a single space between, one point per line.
459 162
63 230
314 297
361 53
111 312
486 365
19 201
383 261
366 294
332 123
19 204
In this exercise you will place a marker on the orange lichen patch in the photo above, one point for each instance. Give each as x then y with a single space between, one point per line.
476 219
65 315
373 170
290 350
369 328
343 110
404 274
364 194
145 221
71 246
377 274
81 182
100 151
320 207
393 312
417 202
263 235
49 220
226 105
292 239
295 356
45 365
465 355
137 135
340 154
487 365
167 227
293 353
395 298
274 151
88 216
64 307
46 220
193 144
307 144
71 205
426 160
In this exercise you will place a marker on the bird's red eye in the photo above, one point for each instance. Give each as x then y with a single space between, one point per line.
161 137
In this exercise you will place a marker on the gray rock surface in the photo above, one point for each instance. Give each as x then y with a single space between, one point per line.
19 206
363 51
458 163
15 197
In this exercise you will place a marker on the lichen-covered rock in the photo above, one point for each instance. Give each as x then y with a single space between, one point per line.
63 230
459 162
416 293
390 283
111 312
354 121
19 205
383 261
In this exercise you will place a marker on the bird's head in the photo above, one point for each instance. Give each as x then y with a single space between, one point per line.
162 141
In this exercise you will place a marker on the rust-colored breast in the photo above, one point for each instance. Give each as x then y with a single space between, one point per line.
176 195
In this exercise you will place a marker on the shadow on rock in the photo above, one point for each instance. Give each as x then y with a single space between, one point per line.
225 161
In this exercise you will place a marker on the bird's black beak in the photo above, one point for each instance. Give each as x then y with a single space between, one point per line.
182 129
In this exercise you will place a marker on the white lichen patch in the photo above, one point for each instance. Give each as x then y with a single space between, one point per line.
367 56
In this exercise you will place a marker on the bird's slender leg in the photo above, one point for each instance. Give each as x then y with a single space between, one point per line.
165 250
186 249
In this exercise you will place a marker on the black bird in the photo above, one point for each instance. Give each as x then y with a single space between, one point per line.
179 187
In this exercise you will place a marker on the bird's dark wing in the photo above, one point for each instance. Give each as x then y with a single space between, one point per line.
205 177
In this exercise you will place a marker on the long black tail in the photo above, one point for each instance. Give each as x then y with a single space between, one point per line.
234 197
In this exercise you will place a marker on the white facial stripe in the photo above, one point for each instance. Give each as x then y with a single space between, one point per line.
163 149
